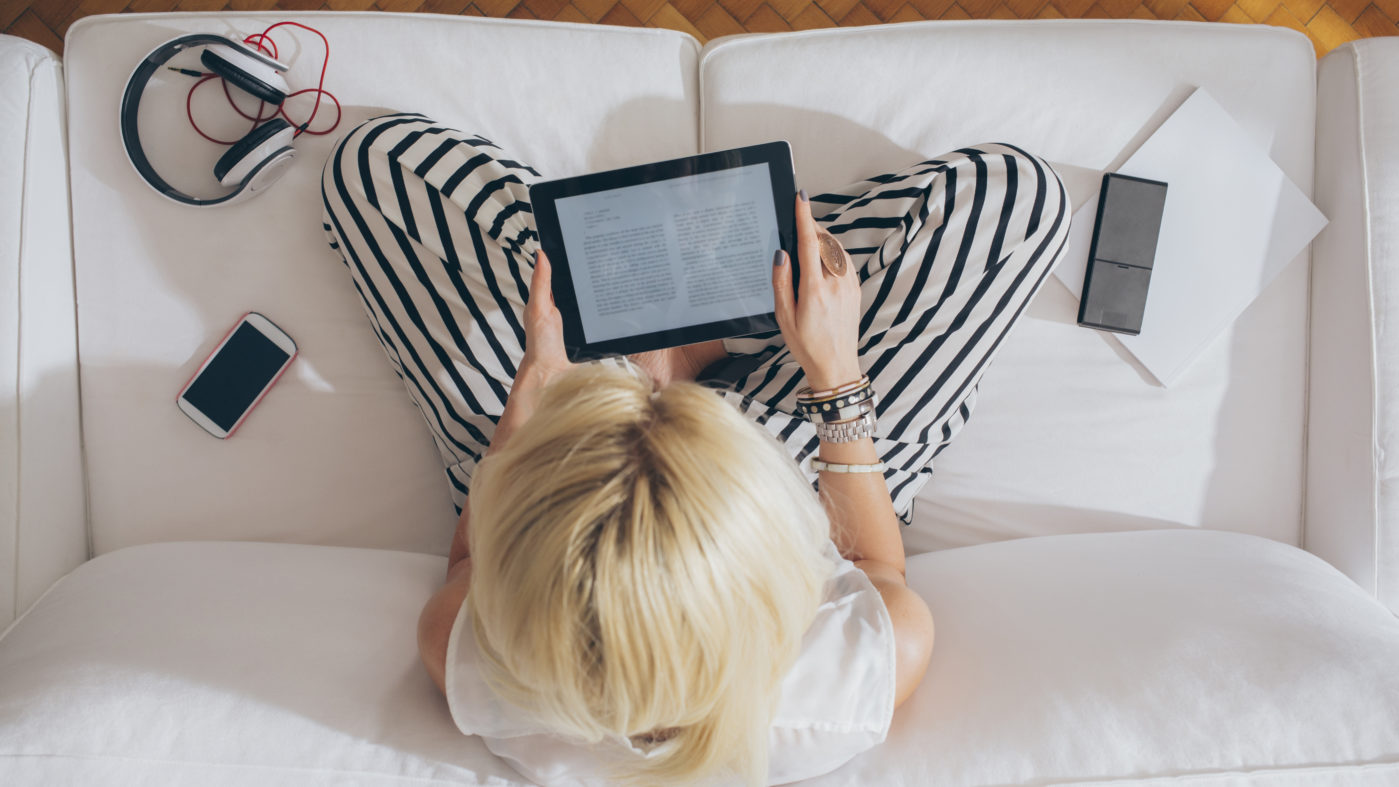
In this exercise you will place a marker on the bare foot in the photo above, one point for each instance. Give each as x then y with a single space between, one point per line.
657 363
698 356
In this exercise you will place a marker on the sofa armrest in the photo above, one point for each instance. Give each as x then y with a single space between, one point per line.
1352 517
43 523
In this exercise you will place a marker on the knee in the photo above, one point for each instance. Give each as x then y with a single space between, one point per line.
347 151
1036 182
350 153
1039 188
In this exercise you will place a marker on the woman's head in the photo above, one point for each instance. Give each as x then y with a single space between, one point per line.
644 563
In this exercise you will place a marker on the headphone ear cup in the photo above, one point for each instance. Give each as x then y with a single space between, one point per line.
249 146
245 73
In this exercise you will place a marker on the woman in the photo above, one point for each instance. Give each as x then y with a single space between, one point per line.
643 585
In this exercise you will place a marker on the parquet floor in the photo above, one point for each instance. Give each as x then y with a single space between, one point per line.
1328 23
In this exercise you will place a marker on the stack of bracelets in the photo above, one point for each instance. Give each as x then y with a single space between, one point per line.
843 414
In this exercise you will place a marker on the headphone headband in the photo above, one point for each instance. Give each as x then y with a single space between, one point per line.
131 101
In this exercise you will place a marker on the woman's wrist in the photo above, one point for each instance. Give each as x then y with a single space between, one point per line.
833 377
532 376
530 381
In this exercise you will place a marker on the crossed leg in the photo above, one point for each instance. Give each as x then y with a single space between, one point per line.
436 230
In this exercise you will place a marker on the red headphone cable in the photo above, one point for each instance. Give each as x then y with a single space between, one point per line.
265 44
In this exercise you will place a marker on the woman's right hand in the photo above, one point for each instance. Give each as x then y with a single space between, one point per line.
544 358
821 321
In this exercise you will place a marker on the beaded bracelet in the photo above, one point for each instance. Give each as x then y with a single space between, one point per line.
812 409
825 410
850 395
849 413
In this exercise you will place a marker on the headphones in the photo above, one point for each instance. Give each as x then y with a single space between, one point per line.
254 162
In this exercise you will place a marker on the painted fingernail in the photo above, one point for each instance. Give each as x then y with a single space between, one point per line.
536 256
803 195
779 258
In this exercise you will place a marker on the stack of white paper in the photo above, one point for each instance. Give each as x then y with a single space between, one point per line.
1232 222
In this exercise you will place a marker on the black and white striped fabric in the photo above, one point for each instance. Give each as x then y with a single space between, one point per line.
436 230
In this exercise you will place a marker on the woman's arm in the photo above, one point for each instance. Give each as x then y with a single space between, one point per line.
820 325
543 360
519 406
438 615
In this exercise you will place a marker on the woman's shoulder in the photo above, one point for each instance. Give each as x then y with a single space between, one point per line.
848 652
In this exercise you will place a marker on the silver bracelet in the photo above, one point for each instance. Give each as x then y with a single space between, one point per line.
831 467
845 431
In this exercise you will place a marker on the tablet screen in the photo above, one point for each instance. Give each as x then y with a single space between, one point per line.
672 253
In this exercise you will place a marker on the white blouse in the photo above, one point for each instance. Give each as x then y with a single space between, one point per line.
836 702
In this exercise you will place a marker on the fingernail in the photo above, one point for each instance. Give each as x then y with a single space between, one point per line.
778 258
536 256
802 193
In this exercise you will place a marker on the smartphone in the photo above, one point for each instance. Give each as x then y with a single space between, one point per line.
1123 253
236 375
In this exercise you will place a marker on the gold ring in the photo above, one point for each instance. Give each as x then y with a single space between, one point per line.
833 257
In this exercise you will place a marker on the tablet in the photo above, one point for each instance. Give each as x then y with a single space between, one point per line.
671 253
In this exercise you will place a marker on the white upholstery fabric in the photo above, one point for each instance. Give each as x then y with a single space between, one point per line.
1068 435
335 454
231 663
43 531
1137 656
1127 655
1352 499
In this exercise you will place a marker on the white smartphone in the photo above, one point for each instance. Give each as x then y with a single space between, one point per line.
236 375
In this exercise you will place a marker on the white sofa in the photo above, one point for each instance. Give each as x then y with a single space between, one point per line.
1117 569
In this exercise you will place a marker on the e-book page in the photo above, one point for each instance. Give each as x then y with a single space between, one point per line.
678 252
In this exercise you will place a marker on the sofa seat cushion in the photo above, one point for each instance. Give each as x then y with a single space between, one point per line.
1069 434
1128 655
1215 658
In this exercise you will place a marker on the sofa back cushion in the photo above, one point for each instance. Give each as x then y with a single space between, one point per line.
1070 434
335 454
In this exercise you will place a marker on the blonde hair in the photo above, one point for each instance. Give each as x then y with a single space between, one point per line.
645 563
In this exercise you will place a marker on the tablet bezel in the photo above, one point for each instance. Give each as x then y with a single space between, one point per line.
778 157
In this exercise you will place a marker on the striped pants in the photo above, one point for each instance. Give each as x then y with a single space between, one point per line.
436 230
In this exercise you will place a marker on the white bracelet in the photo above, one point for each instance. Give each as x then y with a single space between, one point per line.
822 467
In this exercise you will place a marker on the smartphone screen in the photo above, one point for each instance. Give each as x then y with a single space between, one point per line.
236 376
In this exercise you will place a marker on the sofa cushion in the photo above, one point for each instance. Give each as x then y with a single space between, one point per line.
1069 433
1216 658
335 454
1127 655
231 663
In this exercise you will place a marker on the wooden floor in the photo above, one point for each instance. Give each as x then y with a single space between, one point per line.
1328 24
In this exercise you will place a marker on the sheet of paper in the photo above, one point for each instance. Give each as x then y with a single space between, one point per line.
1232 222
